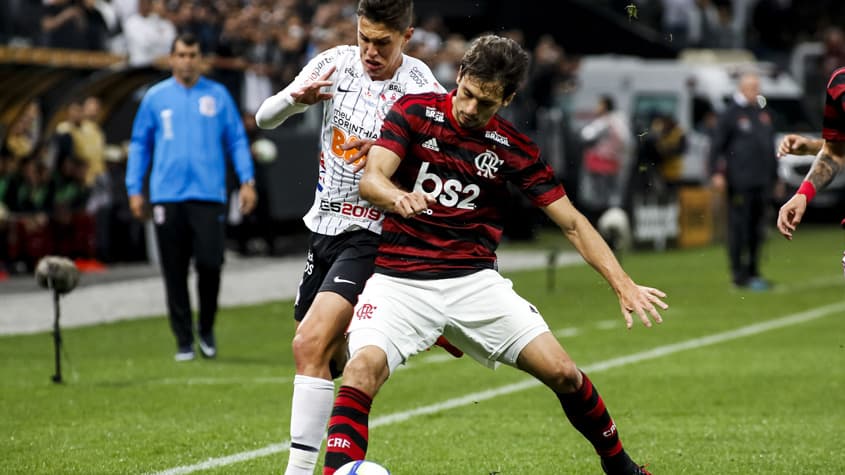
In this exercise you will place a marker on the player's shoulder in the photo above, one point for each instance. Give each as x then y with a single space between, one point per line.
836 84
505 134
418 76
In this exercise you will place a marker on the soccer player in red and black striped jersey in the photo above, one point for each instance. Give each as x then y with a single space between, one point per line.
829 151
440 169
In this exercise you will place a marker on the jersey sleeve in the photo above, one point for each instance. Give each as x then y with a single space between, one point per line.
279 107
395 130
539 184
140 146
833 125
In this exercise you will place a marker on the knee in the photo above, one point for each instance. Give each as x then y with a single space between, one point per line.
564 377
310 345
367 370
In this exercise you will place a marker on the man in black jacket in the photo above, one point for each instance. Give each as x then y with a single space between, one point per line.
743 162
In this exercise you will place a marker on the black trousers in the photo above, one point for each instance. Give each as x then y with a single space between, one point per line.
746 214
186 230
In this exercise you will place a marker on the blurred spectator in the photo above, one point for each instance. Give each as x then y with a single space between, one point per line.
7 169
447 60
253 233
670 143
774 31
607 143
676 21
744 164
72 228
29 198
80 136
75 24
119 237
91 139
149 33
24 133
833 57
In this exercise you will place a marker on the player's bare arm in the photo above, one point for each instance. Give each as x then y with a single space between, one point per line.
633 298
827 165
829 162
794 144
377 187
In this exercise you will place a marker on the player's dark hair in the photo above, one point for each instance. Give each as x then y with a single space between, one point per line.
492 58
187 39
398 15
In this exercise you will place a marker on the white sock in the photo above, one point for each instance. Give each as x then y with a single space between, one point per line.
313 399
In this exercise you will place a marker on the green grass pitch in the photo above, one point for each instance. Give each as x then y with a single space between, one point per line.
733 382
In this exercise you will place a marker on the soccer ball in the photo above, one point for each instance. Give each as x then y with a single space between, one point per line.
362 467
264 150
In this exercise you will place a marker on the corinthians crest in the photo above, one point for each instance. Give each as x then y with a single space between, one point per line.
487 164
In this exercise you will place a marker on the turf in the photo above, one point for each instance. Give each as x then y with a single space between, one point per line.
765 402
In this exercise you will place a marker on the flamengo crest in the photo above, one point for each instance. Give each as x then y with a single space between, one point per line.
487 164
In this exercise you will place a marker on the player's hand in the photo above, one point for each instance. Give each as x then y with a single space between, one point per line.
247 198
790 215
793 144
136 205
409 205
642 301
359 158
311 93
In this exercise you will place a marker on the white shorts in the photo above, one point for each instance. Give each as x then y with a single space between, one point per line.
479 313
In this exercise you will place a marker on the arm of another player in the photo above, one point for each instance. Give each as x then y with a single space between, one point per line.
377 187
829 162
293 99
794 144
633 298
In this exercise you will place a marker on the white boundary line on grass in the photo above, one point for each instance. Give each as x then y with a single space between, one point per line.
658 352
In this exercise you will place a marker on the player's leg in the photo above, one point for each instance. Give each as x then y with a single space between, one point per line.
547 361
335 273
174 247
519 337
393 320
348 433
207 222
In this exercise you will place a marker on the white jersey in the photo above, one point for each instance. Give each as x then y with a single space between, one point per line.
356 110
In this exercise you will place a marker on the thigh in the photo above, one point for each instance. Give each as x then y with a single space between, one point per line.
173 233
208 226
340 264
403 317
312 277
488 320
352 263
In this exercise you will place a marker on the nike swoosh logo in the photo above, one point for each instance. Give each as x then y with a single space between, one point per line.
338 280
340 89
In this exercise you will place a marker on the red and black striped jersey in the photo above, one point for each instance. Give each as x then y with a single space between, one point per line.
468 172
833 126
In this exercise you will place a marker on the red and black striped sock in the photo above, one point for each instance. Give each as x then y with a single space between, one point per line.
348 429
585 410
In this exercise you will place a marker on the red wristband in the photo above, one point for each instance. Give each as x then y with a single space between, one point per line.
807 189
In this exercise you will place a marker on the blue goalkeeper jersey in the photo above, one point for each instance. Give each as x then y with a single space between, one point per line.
188 133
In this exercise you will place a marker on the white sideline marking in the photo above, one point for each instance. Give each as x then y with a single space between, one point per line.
660 351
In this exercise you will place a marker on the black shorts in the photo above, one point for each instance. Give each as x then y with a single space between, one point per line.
340 264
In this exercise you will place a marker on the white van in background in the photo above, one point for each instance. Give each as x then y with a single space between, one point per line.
699 83
693 89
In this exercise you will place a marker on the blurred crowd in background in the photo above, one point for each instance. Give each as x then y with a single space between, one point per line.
62 192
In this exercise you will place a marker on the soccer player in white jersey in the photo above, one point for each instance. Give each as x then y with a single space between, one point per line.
357 85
